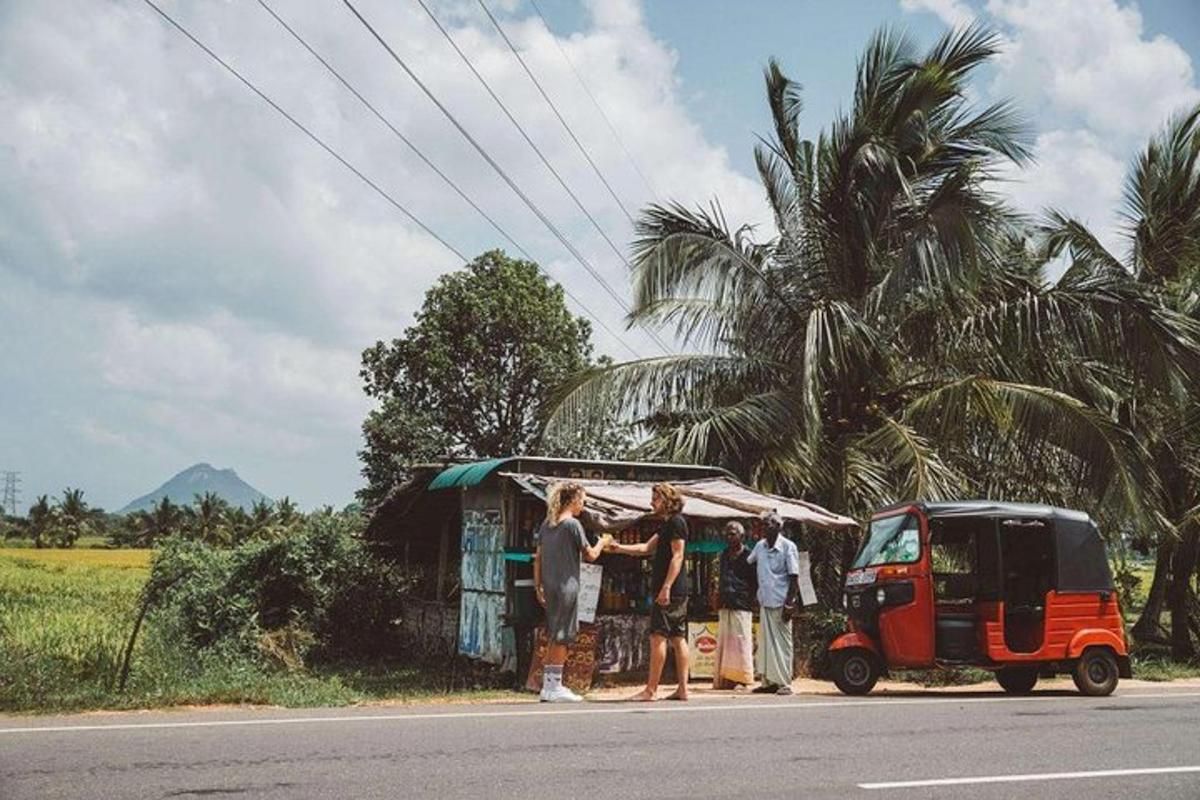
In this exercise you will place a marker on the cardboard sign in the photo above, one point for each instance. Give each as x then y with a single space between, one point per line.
590 576
581 660
808 594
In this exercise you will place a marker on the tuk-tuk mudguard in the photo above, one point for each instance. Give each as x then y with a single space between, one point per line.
1095 637
855 639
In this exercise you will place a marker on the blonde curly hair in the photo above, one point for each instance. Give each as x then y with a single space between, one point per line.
559 497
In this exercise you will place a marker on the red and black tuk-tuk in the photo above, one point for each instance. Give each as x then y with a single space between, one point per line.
1024 590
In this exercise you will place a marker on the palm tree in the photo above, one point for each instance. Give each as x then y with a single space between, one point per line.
1162 211
873 349
286 514
163 519
74 518
41 522
208 519
262 518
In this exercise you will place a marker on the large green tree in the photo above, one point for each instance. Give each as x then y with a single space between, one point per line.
877 347
1162 255
475 373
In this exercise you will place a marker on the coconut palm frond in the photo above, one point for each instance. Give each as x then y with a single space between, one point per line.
641 388
744 427
1107 460
693 252
922 473
784 96
1162 201
1064 234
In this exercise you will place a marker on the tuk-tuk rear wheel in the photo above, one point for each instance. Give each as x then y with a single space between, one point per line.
1017 680
855 670
1096 672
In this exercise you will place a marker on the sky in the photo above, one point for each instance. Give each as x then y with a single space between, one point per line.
186 278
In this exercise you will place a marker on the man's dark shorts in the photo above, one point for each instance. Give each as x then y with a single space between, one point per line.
669 620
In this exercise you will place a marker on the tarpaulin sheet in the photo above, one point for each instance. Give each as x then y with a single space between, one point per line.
708 498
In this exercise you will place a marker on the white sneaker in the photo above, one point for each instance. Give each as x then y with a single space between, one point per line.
561 694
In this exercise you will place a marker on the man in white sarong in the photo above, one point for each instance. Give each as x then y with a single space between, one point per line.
734 665
778 562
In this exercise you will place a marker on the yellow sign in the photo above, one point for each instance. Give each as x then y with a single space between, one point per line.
702 642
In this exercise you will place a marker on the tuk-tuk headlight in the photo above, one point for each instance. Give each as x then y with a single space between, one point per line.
880 595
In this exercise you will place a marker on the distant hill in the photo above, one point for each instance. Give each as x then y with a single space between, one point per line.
198 479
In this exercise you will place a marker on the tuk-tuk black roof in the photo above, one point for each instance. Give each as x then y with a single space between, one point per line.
1080 557
991 508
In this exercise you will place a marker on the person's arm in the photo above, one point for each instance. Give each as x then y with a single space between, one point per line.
673 569
793 565
646 548
591 552
537 574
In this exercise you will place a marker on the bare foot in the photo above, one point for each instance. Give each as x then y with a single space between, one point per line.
678 694
644 696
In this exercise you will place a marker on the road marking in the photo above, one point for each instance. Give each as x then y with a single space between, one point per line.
597 708
1044 776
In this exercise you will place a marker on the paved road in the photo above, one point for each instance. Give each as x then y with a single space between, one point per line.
800 747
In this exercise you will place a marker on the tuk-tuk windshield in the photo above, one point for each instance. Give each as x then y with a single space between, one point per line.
893 540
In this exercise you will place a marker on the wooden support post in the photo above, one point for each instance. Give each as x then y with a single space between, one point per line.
443 556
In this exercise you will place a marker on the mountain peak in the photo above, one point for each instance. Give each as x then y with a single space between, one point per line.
199 479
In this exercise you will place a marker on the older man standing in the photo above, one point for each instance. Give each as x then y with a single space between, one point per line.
735 626
778 565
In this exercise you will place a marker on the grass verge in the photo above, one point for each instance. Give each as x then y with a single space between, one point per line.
65 616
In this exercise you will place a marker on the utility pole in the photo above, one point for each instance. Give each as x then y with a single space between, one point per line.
12 483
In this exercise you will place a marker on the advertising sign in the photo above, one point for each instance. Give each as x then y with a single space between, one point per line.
702 641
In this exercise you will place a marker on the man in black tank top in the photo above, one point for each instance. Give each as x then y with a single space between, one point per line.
668 614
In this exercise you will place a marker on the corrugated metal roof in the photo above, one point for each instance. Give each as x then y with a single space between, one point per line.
465 474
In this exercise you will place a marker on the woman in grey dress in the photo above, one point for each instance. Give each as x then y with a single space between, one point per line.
561 543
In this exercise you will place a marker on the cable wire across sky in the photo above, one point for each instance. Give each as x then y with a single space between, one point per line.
303 129
496 166
578 144
441 174
588 91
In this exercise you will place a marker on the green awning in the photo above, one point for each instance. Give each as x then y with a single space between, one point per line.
465 474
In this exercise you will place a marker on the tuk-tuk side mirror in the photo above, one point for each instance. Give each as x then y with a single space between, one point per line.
1105 596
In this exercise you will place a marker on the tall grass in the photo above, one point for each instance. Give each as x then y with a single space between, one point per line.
65 616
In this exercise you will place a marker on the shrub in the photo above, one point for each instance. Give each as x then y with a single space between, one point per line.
317 592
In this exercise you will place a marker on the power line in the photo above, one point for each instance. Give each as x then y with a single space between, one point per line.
587 89
533 145
500 170
305 130
554 108
449 182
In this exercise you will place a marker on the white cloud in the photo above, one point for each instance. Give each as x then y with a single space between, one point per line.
952 12
1091 62
1077 173
210 276
1094 84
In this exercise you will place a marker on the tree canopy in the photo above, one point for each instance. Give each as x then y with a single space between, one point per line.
475 374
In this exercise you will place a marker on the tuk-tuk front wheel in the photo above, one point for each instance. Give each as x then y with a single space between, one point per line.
1096 672
855 670
1017 680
